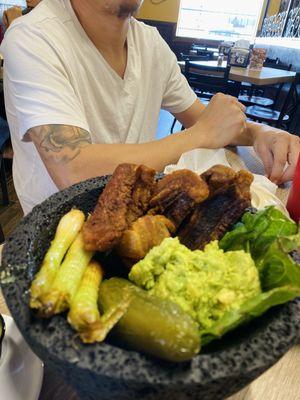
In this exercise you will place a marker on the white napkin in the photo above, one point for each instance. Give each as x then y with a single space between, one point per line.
263 191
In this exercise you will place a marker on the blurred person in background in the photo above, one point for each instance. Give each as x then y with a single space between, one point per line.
8 17
15 12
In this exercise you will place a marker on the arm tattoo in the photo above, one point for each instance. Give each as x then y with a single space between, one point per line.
61 142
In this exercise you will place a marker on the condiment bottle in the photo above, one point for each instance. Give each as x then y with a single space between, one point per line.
293 204
220 60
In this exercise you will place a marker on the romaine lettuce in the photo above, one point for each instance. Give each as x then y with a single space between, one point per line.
276 267
258 231
250 309
270 237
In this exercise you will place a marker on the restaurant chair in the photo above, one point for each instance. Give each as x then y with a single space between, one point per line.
203 51
278 88
278 118
257 95
192 57
206 81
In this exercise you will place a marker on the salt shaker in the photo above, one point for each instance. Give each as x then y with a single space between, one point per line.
220 60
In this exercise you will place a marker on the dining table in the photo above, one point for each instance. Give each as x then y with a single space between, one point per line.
280 382
259 77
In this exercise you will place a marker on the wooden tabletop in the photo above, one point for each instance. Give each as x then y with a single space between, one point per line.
281 382
264 76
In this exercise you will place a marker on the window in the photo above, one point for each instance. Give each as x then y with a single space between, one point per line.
218 19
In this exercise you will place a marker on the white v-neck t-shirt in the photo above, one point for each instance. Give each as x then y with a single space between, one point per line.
53 74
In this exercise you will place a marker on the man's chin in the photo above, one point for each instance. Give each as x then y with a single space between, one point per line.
128 9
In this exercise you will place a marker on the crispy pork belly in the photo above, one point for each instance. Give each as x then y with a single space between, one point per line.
125 198
218 178
212 218
145 233
177 194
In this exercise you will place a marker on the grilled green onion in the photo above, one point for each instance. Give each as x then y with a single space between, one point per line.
68 278
84 306
66 232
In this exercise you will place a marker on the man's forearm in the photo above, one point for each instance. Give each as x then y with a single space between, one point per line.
102 159
70 157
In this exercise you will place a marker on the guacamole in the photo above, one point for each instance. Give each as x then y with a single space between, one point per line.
205 284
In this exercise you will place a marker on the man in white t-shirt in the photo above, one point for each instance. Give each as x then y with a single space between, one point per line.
84 85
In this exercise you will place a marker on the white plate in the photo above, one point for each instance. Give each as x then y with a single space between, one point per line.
21 371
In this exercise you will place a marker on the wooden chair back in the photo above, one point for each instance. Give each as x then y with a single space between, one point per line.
291 102
207 79
194 57
278 65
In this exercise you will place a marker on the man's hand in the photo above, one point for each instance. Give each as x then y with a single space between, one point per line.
221 123
277 149
10 15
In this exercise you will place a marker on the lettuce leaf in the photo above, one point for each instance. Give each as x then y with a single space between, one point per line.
250 309
270 237
276 267
258 231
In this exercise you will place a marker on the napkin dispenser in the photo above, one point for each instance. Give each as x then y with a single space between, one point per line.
239 55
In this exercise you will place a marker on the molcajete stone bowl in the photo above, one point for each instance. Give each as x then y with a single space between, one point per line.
105 371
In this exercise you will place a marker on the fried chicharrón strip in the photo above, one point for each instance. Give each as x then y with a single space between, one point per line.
177 194
145 233
212 218
125 198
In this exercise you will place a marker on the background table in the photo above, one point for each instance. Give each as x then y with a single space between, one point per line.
262 77
281 382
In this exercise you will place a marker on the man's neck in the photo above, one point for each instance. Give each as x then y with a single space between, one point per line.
108 32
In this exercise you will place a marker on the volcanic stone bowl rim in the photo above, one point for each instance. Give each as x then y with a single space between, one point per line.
202 362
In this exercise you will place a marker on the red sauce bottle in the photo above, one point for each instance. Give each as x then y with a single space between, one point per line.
293 204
